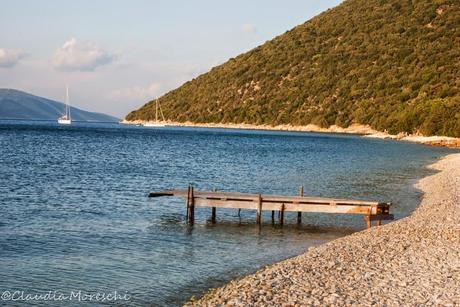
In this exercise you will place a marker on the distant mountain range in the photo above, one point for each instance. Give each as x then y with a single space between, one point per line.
16 104
390 64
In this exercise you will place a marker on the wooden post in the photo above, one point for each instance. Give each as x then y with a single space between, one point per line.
282 215
273 216
379 222
259 208
368 220
187 201
299 214
213 212
191 207
213 215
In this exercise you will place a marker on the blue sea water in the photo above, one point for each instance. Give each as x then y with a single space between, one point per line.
75 214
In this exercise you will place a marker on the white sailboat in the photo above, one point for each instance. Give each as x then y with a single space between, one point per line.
65 119
156 123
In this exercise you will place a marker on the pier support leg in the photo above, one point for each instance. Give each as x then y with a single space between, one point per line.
273 216
191 206
299 214
187 201
282 215
259 208
213 215
368 221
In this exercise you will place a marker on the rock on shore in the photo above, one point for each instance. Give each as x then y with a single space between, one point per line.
411 262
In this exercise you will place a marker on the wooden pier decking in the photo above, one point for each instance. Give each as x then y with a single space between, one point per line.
371 211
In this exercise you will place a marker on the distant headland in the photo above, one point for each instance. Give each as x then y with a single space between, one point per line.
15 104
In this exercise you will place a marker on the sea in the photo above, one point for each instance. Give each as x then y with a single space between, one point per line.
76 223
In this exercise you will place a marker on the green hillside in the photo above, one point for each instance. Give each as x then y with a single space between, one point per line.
393 64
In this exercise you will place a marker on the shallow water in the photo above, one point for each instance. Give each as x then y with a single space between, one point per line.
75 215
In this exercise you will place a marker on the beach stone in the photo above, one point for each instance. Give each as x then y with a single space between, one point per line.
414 261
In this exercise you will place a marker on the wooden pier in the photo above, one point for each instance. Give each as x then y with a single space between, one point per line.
370 210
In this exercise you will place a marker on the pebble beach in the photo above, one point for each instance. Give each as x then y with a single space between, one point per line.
410 262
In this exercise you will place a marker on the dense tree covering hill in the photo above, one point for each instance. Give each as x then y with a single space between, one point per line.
393 64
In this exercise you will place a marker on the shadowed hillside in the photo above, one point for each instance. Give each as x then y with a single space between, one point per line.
393 64
15 104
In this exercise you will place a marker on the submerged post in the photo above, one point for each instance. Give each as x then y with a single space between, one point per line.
259 208
299 214
213 212
368 220
191 206
187 201
282 215
213 215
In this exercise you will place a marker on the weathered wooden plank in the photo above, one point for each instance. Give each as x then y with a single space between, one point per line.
379 217
161 194
266 206
267 198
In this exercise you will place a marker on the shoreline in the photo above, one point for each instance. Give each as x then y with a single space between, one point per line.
411 261
354 129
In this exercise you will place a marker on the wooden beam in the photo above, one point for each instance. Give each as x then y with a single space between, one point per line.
161 194
379 217
253 205
267 198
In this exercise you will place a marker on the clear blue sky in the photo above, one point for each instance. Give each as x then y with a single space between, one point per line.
116 55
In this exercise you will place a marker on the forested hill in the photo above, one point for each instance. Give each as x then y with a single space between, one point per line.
393 64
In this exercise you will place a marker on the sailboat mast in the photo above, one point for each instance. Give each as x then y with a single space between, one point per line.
156 110
67 109
161 113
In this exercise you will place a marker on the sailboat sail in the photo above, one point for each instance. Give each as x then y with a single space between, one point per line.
66 119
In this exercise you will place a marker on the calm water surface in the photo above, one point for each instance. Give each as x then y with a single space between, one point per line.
75 213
